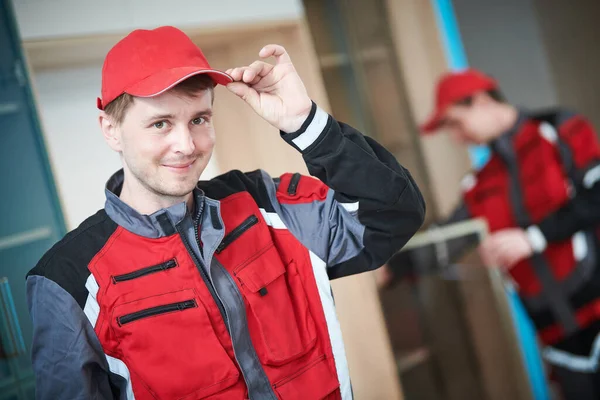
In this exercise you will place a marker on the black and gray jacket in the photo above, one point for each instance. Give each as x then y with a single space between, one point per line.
231 299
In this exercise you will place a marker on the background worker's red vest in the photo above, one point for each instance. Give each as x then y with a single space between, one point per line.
534 171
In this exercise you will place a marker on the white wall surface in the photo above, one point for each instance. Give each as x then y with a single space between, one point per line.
40 19
81 161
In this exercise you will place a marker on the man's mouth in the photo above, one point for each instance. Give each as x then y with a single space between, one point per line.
180 167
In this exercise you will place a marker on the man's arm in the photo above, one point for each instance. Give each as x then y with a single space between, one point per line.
582 212
68 360
365 205
387 204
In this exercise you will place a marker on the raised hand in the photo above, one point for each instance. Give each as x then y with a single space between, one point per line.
275 92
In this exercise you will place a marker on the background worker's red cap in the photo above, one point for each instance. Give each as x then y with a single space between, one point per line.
453 87
147 63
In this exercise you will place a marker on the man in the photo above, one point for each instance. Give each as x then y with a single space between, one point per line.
540 196
180 289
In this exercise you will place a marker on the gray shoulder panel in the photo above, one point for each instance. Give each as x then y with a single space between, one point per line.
326 228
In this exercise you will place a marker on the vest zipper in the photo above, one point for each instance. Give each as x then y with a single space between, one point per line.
205 277
145 271
149 312
293 186
237 232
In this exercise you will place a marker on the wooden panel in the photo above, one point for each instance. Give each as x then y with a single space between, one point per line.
493 334
449 339
416 39
372 366
363 82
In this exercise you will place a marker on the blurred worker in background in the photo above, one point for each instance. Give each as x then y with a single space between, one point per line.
540 195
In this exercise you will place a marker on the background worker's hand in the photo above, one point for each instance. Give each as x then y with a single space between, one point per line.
275 92
505 248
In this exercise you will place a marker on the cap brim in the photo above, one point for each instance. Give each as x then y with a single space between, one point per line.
433 123
165 80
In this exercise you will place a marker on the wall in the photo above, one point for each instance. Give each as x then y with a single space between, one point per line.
80 158
570 35
503 38
544 53
43 19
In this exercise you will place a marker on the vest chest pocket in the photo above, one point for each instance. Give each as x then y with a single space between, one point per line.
168 342
281 325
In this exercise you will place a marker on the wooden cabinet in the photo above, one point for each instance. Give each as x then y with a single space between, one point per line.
363 79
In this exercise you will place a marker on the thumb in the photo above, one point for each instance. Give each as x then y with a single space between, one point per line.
245 92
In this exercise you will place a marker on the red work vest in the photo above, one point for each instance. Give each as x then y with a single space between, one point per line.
183 326
535 170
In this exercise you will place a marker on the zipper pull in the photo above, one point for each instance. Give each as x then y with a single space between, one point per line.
168 265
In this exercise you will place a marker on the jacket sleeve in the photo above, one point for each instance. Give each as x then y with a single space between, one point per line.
582 212
363 207
68 361
427 259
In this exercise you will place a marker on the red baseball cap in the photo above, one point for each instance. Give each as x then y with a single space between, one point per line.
147 63
453 87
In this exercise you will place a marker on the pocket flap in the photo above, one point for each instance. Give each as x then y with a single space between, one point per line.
258 274
315 382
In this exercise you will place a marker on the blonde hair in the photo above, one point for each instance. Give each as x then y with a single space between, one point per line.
190 87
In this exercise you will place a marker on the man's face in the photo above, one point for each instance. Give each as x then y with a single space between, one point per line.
474 123
166 141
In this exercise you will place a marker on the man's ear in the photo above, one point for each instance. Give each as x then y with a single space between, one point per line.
110 131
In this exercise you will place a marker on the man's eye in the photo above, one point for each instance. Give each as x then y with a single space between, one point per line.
198 121
160 124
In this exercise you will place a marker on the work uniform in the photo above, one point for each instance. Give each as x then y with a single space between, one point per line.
544 176
229 300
